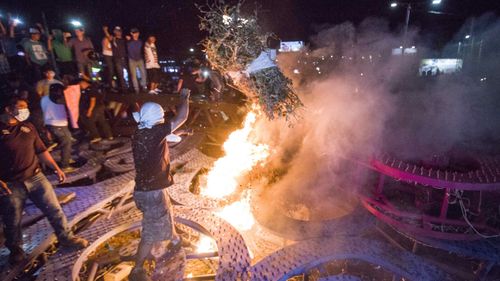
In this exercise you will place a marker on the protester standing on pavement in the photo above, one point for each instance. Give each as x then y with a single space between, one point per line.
135 60
36 54
153 177
92 112
119 48
55 119
63 53
82 46
107 54
21 178
152 65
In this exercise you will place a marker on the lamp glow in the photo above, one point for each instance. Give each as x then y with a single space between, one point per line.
76 23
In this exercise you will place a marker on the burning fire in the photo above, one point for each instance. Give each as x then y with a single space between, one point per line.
205 245
241 156
239 214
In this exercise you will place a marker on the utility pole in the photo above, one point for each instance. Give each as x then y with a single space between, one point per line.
471 33
407 24
52 57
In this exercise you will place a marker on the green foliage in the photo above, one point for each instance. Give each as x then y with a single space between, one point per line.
233 42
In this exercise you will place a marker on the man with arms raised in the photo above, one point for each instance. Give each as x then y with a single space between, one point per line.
152 165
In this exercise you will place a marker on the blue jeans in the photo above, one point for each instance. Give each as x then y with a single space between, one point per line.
85 68
63 136
135 65
39 190
120 64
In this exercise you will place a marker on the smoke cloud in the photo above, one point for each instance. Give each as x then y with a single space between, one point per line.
361 101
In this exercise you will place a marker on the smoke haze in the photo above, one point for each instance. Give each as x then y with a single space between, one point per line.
361 101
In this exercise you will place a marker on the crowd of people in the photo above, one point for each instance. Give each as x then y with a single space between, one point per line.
50 99
74 55
51 94
42 65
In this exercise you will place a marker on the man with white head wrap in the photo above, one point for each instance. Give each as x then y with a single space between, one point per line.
152 165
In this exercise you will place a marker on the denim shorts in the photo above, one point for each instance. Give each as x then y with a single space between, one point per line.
157 219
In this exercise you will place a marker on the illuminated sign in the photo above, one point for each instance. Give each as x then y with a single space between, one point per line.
291 46
431 67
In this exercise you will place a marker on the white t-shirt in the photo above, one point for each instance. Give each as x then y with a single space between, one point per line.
43 86
53 114
151 56
106 48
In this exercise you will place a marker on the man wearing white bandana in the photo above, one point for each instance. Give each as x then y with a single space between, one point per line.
152 164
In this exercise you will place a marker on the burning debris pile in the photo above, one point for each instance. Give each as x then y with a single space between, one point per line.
236 46
242 154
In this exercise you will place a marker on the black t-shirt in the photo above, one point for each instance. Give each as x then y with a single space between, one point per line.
119 47
91 92
19 147
151 158
189 82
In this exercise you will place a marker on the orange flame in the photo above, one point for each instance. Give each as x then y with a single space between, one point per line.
241 156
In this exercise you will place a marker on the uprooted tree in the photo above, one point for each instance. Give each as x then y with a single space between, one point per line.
237 47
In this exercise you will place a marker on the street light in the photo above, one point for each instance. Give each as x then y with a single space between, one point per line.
467 36
191 50
76 23
17 21
408 13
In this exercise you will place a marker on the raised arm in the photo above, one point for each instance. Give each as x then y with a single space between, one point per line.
106 33
12 28
49 42
183 112
3 31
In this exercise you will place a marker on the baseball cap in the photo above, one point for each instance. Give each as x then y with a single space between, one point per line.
117 28
34 30
134 30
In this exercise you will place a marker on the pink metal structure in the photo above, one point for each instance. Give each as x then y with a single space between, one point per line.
442 188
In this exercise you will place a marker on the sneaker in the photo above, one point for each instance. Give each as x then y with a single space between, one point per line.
74 242
175 245
153 92
17 255
68 170
95 140
139 274
52 146
173 138
66 197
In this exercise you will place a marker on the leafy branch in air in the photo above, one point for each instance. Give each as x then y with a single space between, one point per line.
235 41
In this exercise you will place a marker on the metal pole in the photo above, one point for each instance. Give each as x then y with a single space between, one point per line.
407 23
471 33
52 57
480 53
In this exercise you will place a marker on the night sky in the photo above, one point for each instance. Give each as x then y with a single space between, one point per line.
175 22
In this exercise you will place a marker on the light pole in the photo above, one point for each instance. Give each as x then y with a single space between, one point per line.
408 14
407 24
